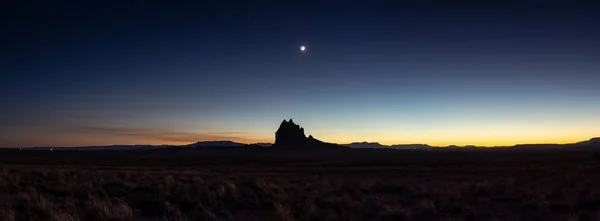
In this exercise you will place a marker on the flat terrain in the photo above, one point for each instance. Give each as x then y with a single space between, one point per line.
267 184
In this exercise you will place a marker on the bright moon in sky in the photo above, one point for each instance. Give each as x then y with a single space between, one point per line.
302 48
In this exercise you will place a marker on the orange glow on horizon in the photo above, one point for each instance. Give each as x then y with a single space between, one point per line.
83 142
433 137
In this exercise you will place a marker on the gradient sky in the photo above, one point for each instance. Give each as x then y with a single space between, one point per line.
146 73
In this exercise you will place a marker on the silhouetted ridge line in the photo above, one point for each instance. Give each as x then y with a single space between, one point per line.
291 135
594 141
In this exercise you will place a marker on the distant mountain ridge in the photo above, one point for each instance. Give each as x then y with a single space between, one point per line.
219 143
593 141
376 145
291 135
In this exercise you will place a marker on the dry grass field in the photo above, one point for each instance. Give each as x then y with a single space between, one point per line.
264 185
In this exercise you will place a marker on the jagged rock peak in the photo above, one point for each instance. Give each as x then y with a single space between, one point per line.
289 133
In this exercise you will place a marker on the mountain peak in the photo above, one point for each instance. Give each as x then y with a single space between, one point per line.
290 134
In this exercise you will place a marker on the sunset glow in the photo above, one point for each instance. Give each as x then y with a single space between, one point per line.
392 73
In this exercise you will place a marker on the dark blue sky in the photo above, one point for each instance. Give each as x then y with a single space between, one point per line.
439 73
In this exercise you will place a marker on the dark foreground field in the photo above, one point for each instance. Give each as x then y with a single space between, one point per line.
293 185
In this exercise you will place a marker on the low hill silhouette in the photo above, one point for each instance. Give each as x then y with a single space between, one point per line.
219 143
291 136
376 145
594 141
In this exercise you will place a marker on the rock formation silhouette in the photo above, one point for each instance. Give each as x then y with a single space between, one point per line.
291 135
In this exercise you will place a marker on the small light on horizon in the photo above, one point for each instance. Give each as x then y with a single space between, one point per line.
303 48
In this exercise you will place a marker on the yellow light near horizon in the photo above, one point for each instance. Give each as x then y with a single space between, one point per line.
499 136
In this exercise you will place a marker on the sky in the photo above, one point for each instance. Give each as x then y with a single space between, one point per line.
395 72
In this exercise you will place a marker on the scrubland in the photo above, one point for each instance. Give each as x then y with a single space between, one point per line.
296 185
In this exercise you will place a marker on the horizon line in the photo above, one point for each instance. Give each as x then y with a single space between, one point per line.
355 142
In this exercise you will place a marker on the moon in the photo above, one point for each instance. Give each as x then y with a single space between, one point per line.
303 48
